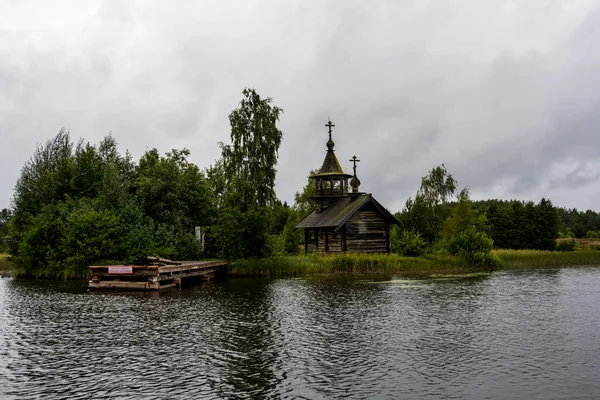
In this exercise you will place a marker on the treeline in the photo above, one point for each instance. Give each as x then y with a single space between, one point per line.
432 222
77 204
520 225
516 224
436 221
579 224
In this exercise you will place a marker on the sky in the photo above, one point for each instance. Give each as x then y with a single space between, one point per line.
505 93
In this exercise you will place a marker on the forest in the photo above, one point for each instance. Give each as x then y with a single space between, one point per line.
77 203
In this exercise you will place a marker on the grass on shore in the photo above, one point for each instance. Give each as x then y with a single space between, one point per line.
386 264
5 267
350 263
583 244
521 259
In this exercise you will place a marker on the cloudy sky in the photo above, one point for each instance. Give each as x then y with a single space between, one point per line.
506 93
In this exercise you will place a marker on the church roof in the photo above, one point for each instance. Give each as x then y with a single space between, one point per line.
341 211
331 165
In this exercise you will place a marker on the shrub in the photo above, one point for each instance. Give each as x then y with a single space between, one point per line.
408 243
566 245
473 248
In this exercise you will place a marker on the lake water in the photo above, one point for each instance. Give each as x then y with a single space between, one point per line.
509 335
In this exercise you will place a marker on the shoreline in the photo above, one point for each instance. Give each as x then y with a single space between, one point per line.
392 264
379 264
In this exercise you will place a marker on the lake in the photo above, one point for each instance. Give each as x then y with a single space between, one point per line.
507 335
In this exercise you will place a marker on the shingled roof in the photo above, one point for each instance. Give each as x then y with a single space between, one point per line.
331 165
340 212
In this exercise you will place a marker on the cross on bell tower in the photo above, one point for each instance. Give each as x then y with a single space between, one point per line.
354 160
330 143
354 182
330 125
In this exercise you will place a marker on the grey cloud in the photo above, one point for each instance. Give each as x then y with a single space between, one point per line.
504 93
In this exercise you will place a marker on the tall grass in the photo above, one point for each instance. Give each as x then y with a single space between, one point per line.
348 263
519 259
353 263
5 267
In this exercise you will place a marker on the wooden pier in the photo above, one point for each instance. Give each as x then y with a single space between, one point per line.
158 275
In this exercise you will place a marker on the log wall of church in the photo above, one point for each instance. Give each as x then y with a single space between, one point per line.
367 232
324 241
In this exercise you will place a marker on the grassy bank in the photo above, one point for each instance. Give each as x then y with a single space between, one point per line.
347 264
521 259
393 264
5 267
388 264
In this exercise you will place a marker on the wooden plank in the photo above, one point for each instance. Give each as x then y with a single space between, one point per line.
120 270
171 276
195 265
137 274
167 286
125 285
135 268
162 260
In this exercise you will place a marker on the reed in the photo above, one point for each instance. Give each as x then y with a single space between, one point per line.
521 259
348 263
5 267
431 264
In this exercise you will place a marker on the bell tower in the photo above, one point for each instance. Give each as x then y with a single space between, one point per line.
331 182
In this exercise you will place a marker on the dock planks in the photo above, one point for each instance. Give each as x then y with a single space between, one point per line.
150 277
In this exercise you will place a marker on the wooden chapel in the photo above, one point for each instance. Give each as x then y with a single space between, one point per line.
344 220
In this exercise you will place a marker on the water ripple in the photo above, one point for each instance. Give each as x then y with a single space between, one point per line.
508 335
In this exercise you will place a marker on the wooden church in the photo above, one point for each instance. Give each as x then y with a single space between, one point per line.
344 220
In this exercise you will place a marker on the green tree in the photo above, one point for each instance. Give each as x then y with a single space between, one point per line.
249 161
248 167
4 219
463 216
427 212
303 206
78 205
464 233
523 225
303 201
173 191
437 187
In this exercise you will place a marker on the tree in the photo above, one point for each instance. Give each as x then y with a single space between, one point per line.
4 219
464 233
248 166
437 187
78 205
427 212
462 216
523 225
249 161
173 191
303 201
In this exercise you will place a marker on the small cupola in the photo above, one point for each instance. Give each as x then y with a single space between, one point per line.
355 182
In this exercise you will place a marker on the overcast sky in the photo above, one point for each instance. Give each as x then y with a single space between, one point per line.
506 93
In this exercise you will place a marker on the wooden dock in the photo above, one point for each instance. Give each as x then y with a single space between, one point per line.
154 276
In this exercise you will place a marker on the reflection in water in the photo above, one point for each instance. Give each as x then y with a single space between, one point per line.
507 335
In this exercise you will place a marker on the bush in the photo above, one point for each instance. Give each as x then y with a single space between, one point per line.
473 248
566 245
408 243
275 245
